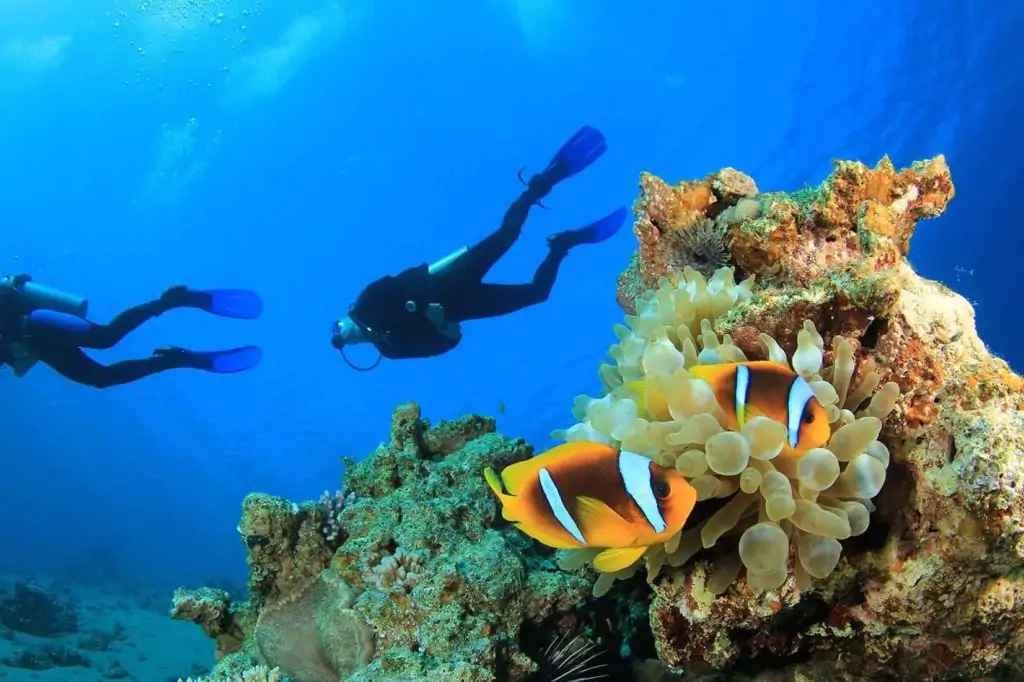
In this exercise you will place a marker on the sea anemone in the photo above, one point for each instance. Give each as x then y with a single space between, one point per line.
773 501
702 245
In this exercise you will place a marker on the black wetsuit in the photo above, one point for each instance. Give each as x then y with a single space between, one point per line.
459 288
62 349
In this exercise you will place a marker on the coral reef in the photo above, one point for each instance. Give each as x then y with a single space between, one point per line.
34 610
412 578
893 549
257 673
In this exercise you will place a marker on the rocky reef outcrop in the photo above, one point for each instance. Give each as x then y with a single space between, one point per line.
931 588
402 575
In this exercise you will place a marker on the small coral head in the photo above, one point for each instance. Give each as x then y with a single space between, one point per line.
589 495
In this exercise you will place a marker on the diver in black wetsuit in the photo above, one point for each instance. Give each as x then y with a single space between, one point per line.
41 324
417 313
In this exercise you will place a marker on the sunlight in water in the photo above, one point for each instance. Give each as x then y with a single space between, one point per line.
182 154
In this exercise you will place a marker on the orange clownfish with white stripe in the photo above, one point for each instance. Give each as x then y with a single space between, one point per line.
750 389
582 495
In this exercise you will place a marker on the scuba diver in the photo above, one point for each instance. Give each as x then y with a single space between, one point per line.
39 323
418 312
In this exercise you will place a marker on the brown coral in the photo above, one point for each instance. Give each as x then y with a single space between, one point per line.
931 591
664 214
212 610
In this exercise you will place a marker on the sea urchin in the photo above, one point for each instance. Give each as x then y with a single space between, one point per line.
703 245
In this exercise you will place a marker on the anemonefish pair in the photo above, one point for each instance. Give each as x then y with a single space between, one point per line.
583 494
749 389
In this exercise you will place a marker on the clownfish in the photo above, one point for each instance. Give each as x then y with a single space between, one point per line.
750 389
582 494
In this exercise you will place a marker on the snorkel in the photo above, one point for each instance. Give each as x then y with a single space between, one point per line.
349 331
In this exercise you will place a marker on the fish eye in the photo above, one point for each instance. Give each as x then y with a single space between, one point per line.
808 417
660 488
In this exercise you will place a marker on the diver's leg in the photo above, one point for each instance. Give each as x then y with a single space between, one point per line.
101 336
71 363
473 265
480 301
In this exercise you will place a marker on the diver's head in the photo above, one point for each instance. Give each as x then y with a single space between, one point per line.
346 332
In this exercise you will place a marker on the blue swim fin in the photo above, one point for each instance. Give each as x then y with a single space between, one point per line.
605 228
217 361
237 303
594 233
582 149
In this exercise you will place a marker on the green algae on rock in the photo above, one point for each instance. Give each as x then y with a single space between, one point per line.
932 589
417 564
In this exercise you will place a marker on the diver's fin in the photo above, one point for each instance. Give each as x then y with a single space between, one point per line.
605 228
237 303
618 558
601 524
217 361
594 233
581 150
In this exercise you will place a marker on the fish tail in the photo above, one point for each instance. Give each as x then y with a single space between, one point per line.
507 501
492 480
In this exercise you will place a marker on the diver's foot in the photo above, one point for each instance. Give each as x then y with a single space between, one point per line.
596 232
227 361
176 357
563 241
175 297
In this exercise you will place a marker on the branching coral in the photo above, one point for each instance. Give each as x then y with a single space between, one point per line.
778 499
333 506
400 570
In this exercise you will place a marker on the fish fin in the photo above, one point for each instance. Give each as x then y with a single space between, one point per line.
602 525
748 412
493 481
508 502
515 475
618 558
547 537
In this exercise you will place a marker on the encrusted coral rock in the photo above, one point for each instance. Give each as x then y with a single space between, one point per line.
213 611
412 569
35 610
684 225
931 589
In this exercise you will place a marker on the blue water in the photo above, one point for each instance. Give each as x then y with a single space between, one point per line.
304 148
